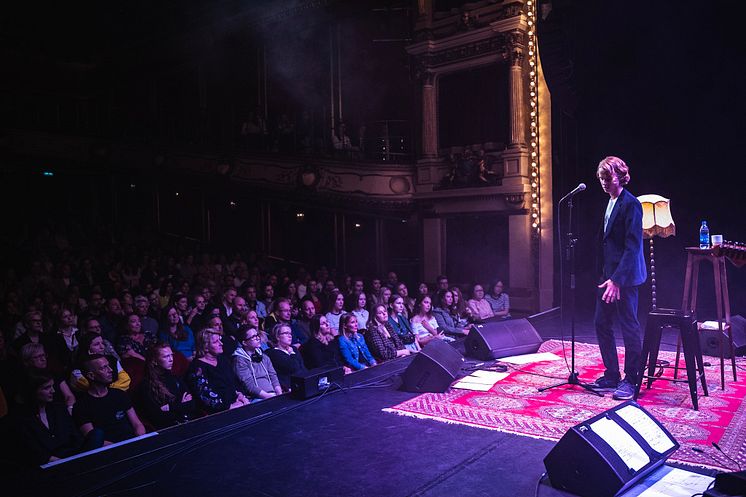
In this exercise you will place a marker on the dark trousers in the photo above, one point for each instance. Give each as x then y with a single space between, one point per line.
625 311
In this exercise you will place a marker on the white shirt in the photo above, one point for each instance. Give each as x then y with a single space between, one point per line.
609 210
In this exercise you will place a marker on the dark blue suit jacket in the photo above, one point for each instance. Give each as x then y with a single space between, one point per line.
622 257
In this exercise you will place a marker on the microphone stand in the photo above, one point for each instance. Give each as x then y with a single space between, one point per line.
570 254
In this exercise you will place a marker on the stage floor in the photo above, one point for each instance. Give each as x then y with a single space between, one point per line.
340 443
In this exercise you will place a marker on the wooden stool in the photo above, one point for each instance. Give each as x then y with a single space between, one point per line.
722 300
686 323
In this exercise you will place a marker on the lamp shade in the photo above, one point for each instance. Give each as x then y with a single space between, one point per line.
656 216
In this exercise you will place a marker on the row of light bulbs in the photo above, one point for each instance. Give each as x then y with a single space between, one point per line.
533 82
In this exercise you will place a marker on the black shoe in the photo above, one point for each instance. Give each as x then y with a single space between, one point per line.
625 391
604 384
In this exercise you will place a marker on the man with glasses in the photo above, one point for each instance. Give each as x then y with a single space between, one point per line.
253 368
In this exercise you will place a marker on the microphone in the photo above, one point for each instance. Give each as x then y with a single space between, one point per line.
577 189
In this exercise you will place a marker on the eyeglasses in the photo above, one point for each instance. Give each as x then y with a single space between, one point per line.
285 333
252 337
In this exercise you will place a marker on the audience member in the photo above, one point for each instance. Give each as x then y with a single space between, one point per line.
498 300
375 291
34 360
359 310
335 310
226 305
401 289
447 316
34 332
253 368
285 359
322 349
93 344
197 318
254 304
302 328
237 318
44 429
480 308
424 324
460 311
352 346
401 325
148 324
91 326
423 289
441 283
165 399
64 345
112 319
176 334
383 343
131 343
210 376
105 408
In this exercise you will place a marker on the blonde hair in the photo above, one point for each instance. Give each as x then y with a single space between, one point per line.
614 166
202 340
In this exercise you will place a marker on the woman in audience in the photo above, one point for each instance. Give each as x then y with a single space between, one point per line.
131 342
383 343
401 325
384 296
256 322
352 346
446 316
459 310
45 430
424 324
335 310
423 289
254 368
498 300
92 344
360 312
480 308
178 335
34 361
285 359
165 293
401 289
166 400
210 376
322 349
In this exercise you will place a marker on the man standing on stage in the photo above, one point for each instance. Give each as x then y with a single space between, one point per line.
622 272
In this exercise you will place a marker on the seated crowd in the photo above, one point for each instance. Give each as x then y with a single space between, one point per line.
93 352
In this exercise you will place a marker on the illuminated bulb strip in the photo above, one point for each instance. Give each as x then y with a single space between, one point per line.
533 82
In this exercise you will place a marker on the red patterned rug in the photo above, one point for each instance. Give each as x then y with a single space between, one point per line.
514 405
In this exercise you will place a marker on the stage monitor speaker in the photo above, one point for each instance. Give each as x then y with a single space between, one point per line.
433 369
609 453
710 344
315 381
495 339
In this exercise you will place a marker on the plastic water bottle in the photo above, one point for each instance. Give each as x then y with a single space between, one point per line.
704 236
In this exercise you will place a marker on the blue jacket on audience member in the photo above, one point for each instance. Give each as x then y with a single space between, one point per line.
355 352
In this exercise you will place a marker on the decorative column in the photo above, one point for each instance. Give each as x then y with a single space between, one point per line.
429 117
517 99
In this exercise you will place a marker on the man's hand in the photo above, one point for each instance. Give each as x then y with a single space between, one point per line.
612 292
